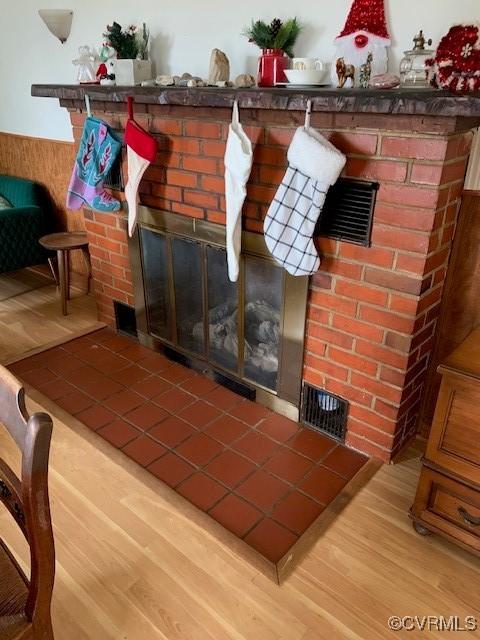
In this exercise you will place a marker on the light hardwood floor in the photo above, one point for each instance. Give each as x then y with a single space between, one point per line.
133 562
30 314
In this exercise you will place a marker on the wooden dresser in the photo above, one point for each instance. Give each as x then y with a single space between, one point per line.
448 493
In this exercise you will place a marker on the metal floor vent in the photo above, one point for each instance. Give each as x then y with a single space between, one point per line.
324 411
348 211
114 178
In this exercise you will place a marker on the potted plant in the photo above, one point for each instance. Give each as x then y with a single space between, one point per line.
132 65
276 40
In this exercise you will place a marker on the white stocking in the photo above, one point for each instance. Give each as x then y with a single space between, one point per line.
136 168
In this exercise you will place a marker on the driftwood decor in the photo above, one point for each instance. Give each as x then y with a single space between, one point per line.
219 68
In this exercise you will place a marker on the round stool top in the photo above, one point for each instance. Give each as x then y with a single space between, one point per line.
64 240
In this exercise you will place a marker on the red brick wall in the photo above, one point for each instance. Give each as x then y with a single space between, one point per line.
372 311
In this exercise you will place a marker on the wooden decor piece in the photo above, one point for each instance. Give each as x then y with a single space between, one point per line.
448 494
25 604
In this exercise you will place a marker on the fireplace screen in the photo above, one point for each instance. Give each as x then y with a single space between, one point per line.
199 314
263 308
188 294
156 283
222 312
250 331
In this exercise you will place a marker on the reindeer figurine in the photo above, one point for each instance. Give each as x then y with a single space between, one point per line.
344 72
366 72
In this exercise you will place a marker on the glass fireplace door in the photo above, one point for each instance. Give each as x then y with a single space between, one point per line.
193 306
222 304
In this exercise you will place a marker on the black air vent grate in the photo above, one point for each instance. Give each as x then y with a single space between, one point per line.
348 211
324 411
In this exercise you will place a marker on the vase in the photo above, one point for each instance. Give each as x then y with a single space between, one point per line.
131 72
271 67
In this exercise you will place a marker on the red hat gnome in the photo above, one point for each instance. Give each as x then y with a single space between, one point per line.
365 32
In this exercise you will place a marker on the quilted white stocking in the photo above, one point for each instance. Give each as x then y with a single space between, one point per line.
314 165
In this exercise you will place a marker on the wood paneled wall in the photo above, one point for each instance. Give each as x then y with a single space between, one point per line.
472 180
460 312
50 163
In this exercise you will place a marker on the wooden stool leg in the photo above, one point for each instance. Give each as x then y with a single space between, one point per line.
66 253
63 283
88 263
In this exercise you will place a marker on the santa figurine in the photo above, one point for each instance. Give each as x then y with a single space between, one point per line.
365 32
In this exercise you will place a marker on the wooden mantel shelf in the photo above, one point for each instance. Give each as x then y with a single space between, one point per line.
426 102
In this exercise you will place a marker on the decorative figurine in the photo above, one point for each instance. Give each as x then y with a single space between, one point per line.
366 72
84 62
365 31
345 72
106 70
413 71
108 79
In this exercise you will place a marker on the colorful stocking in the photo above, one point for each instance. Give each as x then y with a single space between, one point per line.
97 152
141 151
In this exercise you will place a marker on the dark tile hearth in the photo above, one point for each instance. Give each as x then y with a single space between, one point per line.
260 475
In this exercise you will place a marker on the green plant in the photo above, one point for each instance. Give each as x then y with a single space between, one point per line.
124 41
276 35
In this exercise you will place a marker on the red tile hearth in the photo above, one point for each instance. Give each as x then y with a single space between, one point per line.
264 478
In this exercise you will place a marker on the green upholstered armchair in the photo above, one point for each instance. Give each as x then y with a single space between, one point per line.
22 224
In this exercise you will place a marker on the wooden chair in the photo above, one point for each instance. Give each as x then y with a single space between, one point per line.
25 604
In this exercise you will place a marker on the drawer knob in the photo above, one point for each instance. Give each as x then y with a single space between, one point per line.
468 518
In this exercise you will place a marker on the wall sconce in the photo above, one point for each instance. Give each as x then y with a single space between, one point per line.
58 21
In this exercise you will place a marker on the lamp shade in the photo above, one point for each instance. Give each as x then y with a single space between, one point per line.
58 21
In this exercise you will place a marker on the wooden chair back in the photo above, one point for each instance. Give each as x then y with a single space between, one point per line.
26 498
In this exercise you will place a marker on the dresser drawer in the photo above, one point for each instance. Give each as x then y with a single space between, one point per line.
449 506
454 441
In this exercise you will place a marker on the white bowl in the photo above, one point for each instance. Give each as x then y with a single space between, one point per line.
307 76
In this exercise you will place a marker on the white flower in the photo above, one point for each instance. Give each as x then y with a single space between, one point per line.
467 50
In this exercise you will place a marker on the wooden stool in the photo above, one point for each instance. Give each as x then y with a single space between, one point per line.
63 243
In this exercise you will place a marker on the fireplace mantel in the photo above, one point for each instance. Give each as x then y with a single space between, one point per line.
425 102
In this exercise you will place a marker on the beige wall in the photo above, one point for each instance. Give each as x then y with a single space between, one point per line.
184 32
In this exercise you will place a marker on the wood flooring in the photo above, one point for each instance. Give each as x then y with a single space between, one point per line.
31 316
135 563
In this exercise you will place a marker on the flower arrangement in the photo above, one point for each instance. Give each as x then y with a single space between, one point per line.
128 44
276 35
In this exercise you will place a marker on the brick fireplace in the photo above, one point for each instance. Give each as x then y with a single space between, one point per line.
372 311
